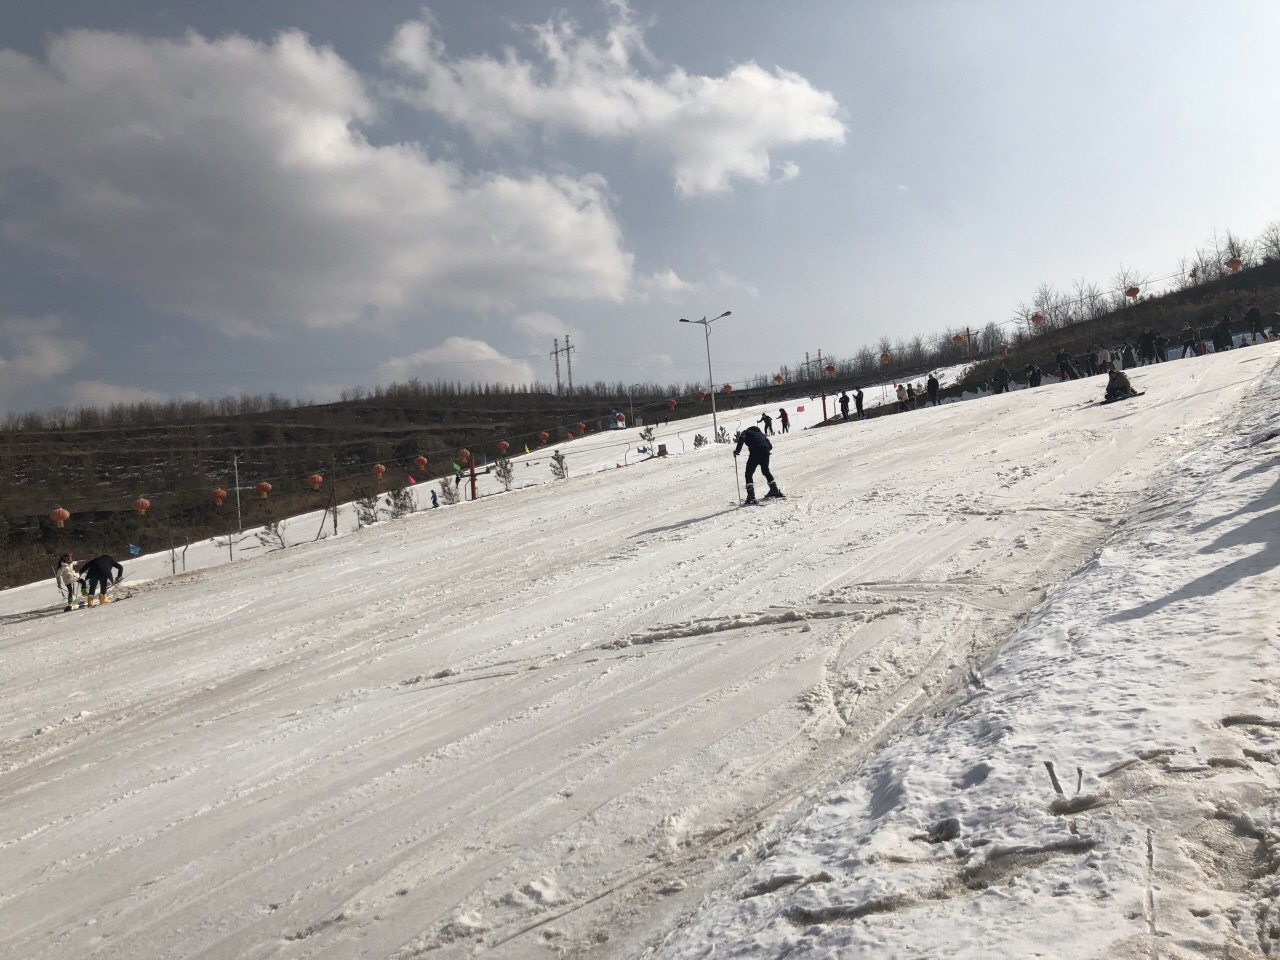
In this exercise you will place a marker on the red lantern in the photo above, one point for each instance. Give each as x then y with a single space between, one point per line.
379 470
1234 264
421 462
958 339
263 489
1132 293
885 357
831 369
777 378
671 404
702 394
217 495
582 428
503 447
728 388
141 505
315 480
59 515
543 437
1037 318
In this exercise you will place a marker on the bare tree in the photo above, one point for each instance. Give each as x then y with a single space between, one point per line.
272 537
559 466
1267 246
448 491
400 502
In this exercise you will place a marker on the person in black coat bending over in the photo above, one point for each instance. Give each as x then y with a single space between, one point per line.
758 448
101 572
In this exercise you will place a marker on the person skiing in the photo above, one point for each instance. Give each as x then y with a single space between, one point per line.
1147 346
931 387
1188 338
1118 386
902 397
1104 360
768 423
1002 379
1253 317
68 579
857 403
758 448
101 572
784 420
1066 370
435 502
844 405
1222 334
1033 375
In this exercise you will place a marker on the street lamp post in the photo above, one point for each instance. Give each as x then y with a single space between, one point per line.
711 381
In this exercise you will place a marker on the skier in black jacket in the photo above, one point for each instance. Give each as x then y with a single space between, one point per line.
101 572
758 448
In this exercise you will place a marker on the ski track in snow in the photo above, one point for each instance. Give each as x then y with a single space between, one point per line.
548 723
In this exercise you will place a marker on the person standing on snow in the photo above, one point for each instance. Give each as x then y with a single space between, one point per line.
844 405
857 404
758 450
768 423
1253 317
68 578
931 387
902 398
1001 379
784 420
101 572
1033 375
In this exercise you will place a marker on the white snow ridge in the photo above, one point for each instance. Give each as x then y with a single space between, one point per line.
999 680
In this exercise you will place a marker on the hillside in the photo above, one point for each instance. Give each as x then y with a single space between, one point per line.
551 722
97 472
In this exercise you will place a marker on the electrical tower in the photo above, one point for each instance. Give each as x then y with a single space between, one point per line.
567 350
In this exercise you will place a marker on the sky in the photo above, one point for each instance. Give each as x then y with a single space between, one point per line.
199 200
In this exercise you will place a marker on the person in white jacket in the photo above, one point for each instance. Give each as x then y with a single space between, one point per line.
68 578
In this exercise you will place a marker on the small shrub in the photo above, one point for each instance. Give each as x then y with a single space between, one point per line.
559 466
448 491
400 502
505 473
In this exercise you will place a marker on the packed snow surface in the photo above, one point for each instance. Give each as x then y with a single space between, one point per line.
616 715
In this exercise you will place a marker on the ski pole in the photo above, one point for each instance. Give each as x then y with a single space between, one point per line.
735 476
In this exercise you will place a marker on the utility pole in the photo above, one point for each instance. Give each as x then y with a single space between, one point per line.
567 350
235 466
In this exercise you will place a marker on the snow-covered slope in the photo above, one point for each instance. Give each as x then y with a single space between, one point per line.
548 722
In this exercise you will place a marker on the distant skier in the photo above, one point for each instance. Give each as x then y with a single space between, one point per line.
1222 334
902 398
911 396
931 387
434 500
1034 375
1118 386
68 579
1066 369
1188 339
758 449
1147 346
857 403
844 405
101 572
1001 379
1253 317
784 420
768 423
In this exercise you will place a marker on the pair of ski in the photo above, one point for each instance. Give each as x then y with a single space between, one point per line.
757 503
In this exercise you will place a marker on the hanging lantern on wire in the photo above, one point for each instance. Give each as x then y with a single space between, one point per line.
217 495
379 470
885 358
778 378
503 447
315 480
141 505
263 489
59 516
671 404
420 462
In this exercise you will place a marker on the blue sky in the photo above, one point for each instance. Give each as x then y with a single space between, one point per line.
300 197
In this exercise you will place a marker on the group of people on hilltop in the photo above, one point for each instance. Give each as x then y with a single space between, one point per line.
912 396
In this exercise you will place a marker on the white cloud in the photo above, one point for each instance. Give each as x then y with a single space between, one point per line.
666 284
229 181
711 130
99 393
33 350
458 358
541 328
